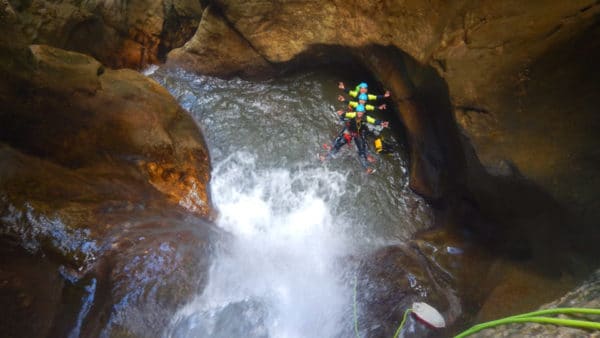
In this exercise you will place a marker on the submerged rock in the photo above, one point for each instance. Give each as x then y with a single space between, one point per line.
113 119
217 49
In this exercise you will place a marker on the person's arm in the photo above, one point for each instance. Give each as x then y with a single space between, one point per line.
373 97
372 120
347 90
346 114
370 107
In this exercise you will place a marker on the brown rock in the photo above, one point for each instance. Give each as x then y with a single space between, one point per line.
117 115
217 49
120 34
57 70
30 291
104 175
586 295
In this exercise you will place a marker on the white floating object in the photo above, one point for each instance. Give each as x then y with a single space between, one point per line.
428 314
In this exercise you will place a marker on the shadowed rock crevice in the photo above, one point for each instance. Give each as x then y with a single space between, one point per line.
545 131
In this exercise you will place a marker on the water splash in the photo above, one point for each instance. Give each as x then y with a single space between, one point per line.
279 274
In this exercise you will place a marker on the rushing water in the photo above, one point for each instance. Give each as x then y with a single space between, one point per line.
293 222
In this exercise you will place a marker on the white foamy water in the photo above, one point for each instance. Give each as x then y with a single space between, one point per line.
279 275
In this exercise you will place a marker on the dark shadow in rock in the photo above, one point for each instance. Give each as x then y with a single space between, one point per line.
30 292
78 37
510 214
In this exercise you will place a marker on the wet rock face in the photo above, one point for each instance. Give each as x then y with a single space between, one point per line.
119 33
105 176
391 280
545 129
29 288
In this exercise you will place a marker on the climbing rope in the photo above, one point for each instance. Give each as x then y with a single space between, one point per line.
355 311
402 323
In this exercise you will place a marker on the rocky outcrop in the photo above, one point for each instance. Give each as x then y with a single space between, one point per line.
217 49
587 295
120 115
106 177
118 33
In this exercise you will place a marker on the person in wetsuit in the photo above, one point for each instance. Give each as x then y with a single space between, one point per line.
360 92
354 130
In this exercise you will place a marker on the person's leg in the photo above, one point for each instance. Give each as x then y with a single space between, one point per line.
362 150
338 143
364 133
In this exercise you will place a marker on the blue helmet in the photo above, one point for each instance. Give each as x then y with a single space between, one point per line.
363 85
363 97
360 108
